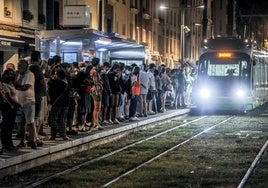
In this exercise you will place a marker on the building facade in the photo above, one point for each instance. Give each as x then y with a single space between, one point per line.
119 30
19 21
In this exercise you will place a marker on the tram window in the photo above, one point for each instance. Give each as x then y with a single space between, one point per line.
203 66
244 68
223 70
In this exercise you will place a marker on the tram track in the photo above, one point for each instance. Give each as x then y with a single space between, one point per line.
40 182
112 153
187 136
165 152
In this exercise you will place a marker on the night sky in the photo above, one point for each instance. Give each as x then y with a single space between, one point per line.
253 6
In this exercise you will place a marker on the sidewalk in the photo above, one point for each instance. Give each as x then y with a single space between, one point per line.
25 158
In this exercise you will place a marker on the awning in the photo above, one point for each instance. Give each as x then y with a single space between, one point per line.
105 41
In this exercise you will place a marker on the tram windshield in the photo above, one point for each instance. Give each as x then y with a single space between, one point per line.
213 66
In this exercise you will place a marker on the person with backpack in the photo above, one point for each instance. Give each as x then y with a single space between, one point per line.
126 89
106 92
114 81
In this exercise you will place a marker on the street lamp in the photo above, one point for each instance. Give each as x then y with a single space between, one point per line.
184 29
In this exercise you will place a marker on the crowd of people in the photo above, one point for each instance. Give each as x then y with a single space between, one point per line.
84 96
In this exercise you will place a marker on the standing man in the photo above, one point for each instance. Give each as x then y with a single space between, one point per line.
106 92
151 101
39 87
144 88
25 87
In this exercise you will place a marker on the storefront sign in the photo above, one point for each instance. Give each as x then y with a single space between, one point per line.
5 43
76 16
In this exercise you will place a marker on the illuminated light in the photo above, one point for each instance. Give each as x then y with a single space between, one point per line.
72 43
102 49
240 93
163 7
103 40
225 55
204 93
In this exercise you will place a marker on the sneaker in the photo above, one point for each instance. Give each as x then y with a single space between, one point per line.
121 119
71 132
151 113
134 119
32 144
105 122
11 148
110 121
88 124
116 121
39 143
21 145
65 138
98 127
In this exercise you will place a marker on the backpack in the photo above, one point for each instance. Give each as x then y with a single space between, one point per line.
127 85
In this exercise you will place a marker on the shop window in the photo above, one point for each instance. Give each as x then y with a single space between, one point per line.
25 4
26 14
41 15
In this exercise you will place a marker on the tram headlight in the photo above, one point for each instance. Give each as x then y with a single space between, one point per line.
204 93
240 93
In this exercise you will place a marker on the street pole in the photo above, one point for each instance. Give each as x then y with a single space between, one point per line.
182 29
182 42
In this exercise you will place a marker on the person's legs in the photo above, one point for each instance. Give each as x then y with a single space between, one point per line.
29 112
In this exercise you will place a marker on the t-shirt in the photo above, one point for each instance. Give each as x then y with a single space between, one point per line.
28 95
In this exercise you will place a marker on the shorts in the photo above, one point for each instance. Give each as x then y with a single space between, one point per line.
96 96
105 99
26 114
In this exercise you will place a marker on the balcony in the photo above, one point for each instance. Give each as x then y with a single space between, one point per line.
146 15
134 10
112 2
156 20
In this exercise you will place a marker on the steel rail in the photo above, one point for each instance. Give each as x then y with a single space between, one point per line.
252 166
40 182
163 153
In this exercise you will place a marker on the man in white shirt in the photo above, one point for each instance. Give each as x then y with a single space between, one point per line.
25 87
152 90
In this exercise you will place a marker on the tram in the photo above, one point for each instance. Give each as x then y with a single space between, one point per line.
232 75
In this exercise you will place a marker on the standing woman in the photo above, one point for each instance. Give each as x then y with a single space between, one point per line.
8 102
96 91
58 90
